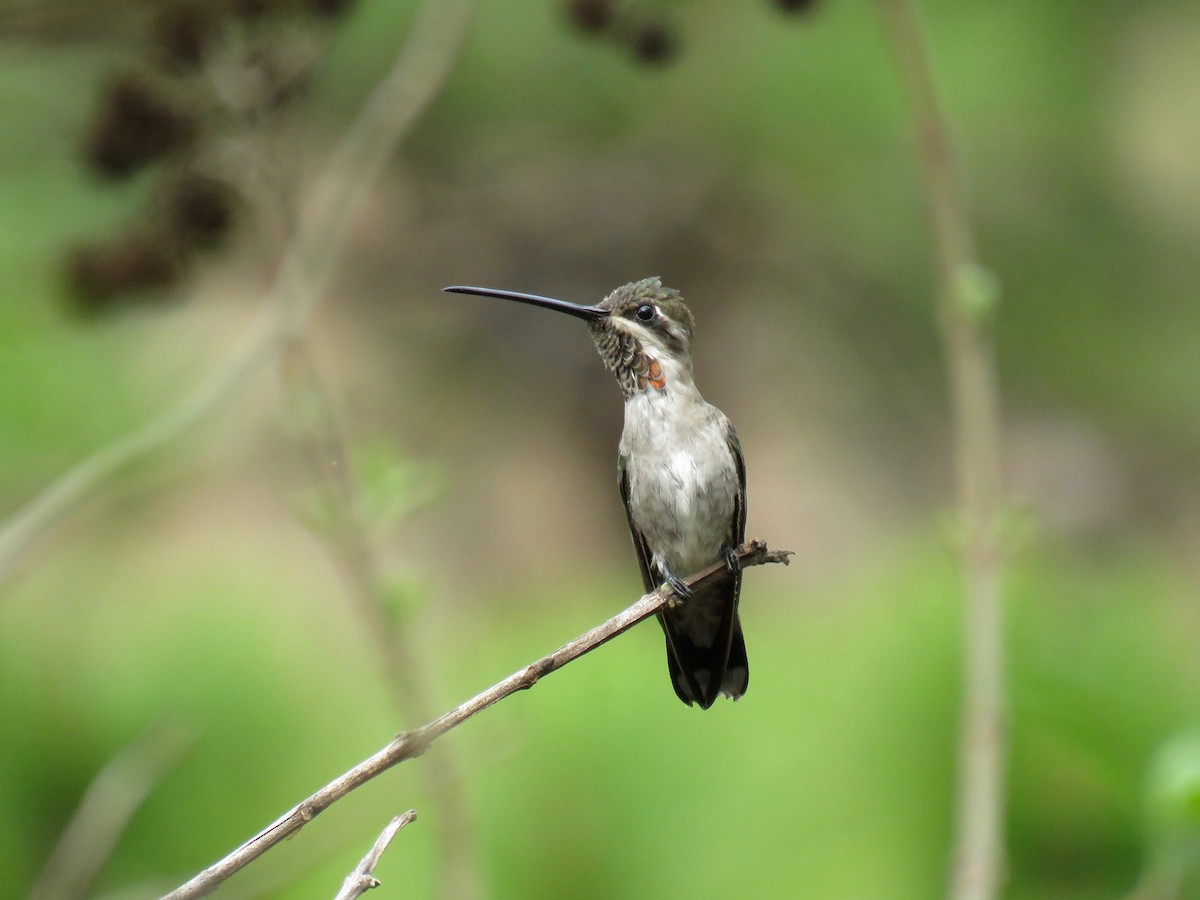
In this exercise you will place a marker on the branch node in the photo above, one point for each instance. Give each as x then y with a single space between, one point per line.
415 742
306 812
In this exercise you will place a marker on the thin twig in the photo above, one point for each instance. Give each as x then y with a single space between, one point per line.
362 879
301 279
108 804
410 744
328 456
354 555
965 301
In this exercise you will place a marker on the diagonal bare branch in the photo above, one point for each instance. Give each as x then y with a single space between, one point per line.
410 744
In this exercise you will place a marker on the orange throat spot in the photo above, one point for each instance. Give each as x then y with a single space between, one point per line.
650 373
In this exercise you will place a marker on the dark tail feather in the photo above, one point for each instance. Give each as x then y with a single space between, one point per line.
700 674
737 668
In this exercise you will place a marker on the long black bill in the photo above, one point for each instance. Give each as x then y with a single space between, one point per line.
591 313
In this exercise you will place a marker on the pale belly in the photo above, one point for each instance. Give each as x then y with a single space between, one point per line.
683 486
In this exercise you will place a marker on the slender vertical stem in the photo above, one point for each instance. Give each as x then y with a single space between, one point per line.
354 554
963 304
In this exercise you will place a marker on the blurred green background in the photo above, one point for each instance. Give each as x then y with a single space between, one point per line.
766 170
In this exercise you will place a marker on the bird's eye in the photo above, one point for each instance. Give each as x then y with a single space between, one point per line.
646 312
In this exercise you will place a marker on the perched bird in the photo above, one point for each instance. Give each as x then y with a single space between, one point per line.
681 476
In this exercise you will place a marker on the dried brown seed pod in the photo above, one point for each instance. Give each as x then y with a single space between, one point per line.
101 275
183 33
795 6
136 124
330 8
252 9
200 210
653 44
591 15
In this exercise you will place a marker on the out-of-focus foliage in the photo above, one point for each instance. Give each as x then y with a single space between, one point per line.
1173 814
765 169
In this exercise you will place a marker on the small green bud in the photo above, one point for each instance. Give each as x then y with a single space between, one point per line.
392 487
402 597
976 291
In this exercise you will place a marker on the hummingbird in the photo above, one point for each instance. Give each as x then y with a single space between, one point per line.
681 476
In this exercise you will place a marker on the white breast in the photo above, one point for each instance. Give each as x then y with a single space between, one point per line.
682 476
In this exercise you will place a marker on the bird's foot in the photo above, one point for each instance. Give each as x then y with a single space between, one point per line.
733 563
680 589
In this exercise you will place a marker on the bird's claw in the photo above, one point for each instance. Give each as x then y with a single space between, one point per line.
680 590
733 563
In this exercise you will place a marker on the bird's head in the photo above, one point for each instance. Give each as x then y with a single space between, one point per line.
642 330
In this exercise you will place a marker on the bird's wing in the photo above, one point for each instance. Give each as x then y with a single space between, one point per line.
682 679
737 535
651 577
